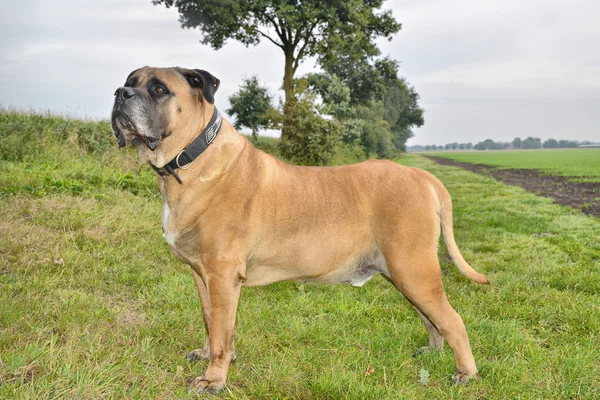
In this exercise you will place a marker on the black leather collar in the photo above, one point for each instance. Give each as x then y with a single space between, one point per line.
186 157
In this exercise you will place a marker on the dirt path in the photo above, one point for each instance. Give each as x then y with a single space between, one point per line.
582 195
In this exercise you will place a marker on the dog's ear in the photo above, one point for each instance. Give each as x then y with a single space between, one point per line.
204 80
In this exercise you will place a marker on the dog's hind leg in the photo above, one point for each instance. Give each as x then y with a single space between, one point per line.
203 353
419 279
436 340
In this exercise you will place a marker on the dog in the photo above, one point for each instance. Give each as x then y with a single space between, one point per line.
241 217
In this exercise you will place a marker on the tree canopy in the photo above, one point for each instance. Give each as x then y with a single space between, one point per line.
375 106
330 30
250 105
550 144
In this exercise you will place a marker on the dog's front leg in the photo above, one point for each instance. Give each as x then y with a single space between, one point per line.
223 282
203 353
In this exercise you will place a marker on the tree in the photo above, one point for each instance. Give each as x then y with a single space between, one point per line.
367 77
550 144
567 144
402 111
376 136
489 144
480 146
532 143
335 94
300 29
517 143
249 106
389 98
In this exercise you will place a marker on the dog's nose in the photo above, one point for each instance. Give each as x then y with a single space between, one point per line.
124 93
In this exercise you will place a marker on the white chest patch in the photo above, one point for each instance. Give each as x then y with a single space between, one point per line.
167 234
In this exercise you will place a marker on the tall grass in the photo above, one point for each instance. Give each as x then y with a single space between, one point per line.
93 305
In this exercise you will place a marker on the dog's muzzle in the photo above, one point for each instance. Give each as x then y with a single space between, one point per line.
126 119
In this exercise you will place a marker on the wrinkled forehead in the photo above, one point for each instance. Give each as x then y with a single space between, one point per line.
169 77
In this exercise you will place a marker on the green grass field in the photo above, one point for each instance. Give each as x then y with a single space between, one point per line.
583 164
94 306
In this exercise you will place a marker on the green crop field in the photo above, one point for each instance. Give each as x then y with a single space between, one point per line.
93 305
584 164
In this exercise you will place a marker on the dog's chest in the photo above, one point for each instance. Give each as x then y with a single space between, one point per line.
169 234
176 238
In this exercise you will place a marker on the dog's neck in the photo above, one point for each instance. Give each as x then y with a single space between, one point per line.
170 146
209 169
186 157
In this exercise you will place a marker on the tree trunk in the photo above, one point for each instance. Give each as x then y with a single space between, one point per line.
288 87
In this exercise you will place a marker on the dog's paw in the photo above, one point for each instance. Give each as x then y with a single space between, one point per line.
204 385
198 354
461 378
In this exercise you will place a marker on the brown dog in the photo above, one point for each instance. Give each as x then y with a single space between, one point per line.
240 217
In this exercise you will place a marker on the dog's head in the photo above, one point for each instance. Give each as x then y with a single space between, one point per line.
156 103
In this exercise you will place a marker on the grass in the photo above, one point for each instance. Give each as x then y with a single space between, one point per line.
581 164
93 305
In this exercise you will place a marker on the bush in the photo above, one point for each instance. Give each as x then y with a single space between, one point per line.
267 144
349 154
312 139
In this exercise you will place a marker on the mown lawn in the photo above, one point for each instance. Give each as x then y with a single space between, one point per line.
92 304
582 164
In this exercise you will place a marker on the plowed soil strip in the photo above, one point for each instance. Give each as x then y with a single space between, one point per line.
582 195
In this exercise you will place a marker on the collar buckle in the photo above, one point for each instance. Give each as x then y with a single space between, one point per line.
185 166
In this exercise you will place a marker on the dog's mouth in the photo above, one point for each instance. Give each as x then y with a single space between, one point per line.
127 132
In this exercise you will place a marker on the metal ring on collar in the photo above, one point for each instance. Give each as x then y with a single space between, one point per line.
186 166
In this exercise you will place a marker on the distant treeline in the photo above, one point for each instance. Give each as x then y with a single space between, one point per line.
516 144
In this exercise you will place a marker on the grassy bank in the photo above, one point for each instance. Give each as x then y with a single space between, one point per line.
94 306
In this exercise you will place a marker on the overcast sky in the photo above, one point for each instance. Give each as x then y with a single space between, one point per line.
484 69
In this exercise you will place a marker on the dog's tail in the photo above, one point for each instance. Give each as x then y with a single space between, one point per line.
445 213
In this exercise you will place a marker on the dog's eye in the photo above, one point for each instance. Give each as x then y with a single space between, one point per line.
160 90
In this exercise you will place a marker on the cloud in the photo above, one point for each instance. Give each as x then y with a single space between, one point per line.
73 55
491 68
519 74
499 69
